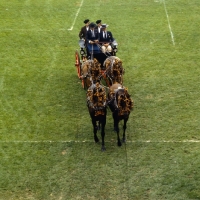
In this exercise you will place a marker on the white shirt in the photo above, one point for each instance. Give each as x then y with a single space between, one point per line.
99 29
104 34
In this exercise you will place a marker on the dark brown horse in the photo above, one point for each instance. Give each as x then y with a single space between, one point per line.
90 72
121 104
96 102
114 70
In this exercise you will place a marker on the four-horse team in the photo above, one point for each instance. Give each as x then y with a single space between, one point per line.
101 73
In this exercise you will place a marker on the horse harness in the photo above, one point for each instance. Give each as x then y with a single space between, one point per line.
114 68
96 99
121 100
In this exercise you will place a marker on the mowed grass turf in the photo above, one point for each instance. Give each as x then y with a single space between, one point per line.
46 141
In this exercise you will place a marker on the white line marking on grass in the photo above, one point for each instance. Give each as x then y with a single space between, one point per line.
76 16
85 141
172 36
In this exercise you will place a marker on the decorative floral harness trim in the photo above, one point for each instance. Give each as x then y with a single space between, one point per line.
93 69
96 99
114 68
122 101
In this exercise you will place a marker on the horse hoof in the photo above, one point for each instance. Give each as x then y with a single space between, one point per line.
96 140
103 148
123 141
119 144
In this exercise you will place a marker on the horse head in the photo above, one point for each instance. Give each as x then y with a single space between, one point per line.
123 102
120 100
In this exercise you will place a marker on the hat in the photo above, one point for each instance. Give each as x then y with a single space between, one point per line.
86 21
98 21
92 25
104 25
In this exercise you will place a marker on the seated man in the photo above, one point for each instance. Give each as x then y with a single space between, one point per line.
92 38
92 34
105 39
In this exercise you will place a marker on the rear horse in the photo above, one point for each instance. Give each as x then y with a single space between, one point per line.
121 104
96 103
114 70
91 72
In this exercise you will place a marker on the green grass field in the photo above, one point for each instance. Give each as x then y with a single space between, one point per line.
47 150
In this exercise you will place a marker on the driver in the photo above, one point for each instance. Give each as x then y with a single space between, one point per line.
93 34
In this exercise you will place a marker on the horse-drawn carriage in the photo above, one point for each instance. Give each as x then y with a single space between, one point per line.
93 68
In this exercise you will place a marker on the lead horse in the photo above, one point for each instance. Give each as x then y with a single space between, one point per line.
121 104
96 103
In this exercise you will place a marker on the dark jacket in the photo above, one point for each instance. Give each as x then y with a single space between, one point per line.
108 39
83 32
90 37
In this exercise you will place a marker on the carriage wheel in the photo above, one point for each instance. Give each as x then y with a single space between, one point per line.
78 63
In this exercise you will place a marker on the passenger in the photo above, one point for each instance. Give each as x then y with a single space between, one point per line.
93 34
84 29
105 38
98 22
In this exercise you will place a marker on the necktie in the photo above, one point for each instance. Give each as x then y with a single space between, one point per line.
92 33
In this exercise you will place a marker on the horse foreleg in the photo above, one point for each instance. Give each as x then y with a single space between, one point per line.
116 128
96 139
124 130
99 126
103 136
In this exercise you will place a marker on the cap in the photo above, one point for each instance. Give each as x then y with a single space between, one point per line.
86 21
104 25
98 21
92 25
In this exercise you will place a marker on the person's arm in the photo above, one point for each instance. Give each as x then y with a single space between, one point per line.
81 33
